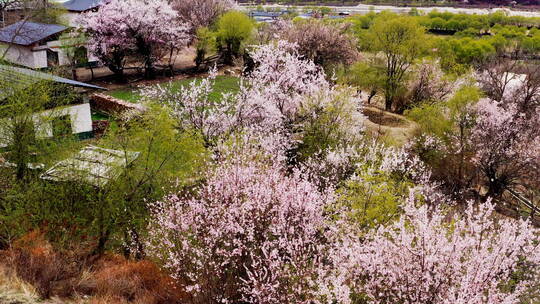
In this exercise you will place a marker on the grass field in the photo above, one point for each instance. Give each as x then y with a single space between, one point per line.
223 84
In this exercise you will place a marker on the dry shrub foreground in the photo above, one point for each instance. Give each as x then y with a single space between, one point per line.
31 270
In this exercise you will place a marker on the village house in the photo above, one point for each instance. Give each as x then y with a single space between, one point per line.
37 45
76 7
52 121
33 45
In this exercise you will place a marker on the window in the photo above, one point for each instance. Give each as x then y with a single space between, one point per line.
52 58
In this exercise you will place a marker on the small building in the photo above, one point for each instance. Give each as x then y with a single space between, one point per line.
73 118
33 45
80 6
76 7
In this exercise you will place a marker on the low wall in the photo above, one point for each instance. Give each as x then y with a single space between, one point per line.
113 106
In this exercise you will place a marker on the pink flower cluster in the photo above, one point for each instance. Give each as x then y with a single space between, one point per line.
429 257
251 233
147 28
255 233
507 144
200 13
270 98
259 231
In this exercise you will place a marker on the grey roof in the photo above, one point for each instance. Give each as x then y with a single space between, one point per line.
27 33
81 5
24 77
93 165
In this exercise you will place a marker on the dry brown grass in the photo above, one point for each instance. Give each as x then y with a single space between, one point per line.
33 260
15 290
32 270
125 280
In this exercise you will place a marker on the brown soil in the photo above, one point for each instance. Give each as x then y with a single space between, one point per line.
394 128
385 119
104 77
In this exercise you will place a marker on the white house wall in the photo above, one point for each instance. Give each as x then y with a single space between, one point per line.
80 118
20 55
40 59
35 58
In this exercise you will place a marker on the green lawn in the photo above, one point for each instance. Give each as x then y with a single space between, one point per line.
99 116
223 84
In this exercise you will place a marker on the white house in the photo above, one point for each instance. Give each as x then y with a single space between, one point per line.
76 116
76 7
31 44
36 45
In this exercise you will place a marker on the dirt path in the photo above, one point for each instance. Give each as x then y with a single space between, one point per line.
183 60
394 127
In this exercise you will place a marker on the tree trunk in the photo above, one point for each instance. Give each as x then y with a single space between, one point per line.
149 70
388 103
102 241
371 95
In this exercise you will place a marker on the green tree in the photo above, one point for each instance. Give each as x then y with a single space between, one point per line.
401 40
28 109
73 45
233 29
374 197
169 160
327 123
365 76
206 39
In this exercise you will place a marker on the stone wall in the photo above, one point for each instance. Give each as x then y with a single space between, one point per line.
114 106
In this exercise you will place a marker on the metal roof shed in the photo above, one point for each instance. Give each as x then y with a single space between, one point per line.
81 5
93 165
11 77
27 33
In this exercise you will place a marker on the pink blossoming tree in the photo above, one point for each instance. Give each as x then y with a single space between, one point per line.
251 234
147 28
428 256
507 145
283 94
324 44
201 13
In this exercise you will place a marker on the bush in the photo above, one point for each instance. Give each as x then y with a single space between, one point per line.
108 279
119 280
35 261
233 29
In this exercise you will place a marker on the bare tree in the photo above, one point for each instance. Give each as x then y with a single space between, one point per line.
529 91
428 82
495 78
510 80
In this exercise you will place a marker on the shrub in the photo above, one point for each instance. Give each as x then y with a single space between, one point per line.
35 261
119 280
